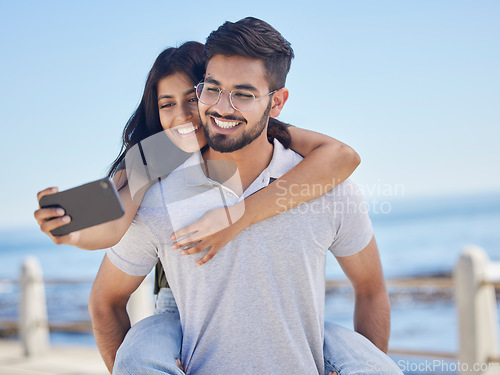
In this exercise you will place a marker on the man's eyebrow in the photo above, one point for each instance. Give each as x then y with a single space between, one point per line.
243 86
246 86
170 96
212 80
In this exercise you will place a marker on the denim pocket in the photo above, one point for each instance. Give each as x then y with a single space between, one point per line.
165 302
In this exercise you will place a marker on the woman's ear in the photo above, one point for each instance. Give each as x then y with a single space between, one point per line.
279 99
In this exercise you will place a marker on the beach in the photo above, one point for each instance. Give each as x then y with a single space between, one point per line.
416 241
59 360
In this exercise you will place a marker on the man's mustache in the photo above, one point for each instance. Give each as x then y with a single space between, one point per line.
229 117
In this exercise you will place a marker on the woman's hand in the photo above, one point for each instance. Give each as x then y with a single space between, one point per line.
51 218
213 230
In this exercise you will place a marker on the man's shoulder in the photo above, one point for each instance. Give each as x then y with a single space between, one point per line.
346 191
347 188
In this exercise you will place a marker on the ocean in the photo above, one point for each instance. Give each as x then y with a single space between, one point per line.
416 237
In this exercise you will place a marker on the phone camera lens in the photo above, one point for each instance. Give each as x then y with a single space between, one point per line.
104 185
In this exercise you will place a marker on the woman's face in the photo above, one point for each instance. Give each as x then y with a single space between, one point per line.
178 110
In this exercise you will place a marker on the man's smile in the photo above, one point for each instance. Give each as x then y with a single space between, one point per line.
224 126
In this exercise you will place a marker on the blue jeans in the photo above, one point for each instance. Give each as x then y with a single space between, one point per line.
152 345
350 353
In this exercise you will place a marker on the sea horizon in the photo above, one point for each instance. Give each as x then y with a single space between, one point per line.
418 238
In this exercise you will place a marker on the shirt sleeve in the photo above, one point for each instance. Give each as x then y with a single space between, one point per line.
353 225
137 252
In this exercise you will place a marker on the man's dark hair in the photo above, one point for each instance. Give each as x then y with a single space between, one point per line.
253 38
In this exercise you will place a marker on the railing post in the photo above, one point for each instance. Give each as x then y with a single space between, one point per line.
141 304
33 322
477 313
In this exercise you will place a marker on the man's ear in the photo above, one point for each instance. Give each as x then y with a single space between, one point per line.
279 99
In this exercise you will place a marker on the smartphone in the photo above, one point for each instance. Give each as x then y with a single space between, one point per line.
90 204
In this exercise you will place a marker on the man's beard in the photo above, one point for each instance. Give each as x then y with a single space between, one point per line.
225 143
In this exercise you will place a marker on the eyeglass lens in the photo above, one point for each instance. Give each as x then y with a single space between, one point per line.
209 94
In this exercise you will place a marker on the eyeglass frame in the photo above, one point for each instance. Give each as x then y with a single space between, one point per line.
230 92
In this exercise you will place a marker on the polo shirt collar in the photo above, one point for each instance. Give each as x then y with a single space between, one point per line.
281 161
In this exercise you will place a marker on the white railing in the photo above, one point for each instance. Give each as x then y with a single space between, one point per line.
474 279
33 322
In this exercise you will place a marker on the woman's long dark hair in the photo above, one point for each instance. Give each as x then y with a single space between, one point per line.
145 121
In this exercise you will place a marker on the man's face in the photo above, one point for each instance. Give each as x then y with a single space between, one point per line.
227 129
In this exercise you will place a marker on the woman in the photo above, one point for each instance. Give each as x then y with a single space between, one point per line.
169 104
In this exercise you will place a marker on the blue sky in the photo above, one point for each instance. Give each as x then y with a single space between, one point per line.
413 86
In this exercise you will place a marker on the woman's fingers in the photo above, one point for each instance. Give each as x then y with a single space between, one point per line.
198 248
188 240
43 214
48 191
185 230
51 218
212 231
52 224
211 222
211 253
196 232
194 249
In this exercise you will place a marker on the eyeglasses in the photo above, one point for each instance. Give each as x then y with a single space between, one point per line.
241 100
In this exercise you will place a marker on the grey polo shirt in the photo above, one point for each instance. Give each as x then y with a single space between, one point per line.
258 306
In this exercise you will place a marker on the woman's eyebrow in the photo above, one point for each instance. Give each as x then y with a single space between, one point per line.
165 97
170 96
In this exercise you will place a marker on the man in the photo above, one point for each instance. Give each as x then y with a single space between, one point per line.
258 307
